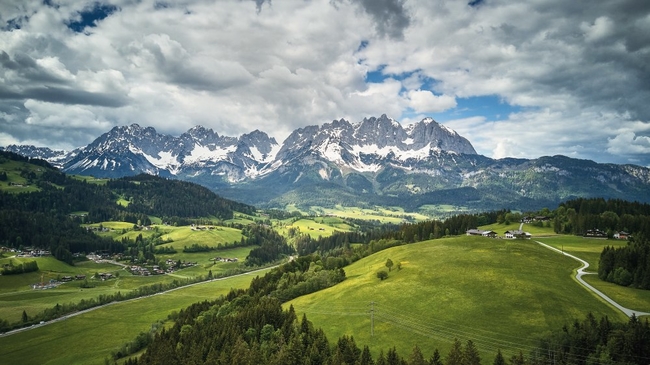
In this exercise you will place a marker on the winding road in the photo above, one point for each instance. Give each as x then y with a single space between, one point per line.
581 272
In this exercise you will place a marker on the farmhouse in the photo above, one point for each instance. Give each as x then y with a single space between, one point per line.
480 232
622 235
517 234
595 233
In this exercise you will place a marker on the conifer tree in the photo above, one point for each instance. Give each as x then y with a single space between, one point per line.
416 357
470 355
499 360
435 359
455 356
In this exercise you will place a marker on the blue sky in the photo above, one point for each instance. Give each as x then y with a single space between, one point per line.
516 79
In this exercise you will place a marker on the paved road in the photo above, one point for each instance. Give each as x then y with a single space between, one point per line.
581 272
124 301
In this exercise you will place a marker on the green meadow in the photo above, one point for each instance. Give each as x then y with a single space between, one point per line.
16 293
315 226
16 183
186 236
394 215
89 338
535 231
589 249
499 293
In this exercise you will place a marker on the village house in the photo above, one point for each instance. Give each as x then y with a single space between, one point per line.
622 235
517 234
480 232
595 233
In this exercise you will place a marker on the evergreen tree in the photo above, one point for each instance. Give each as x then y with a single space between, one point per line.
499 360
435 359
25 318
470 355
455 356
416 357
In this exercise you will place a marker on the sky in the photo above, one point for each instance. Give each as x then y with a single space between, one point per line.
518 79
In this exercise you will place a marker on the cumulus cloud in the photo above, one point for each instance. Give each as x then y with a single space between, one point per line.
424 101
576 78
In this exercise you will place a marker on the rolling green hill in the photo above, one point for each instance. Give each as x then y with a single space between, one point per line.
499 293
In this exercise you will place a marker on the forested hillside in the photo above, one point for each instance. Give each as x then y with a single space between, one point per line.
49 215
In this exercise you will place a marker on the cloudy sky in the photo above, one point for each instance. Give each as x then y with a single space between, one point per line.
516 78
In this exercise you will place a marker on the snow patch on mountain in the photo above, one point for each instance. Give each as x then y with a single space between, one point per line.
203 153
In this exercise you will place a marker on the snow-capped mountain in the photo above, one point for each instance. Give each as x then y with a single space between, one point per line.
366 146
130 150
374 142
55 157
374 161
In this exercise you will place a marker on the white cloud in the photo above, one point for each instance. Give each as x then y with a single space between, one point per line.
424 101
629 143
578 73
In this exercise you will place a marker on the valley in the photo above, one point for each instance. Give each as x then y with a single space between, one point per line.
184 255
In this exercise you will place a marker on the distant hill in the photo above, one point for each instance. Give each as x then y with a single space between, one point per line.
374 162
43 207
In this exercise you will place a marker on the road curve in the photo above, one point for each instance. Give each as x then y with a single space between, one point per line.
62 318
581 271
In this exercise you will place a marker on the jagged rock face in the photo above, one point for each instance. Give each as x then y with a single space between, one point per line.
129 150
56 158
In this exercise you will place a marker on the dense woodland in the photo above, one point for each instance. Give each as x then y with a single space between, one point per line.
579 215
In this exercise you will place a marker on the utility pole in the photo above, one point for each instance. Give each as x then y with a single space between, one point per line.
372 318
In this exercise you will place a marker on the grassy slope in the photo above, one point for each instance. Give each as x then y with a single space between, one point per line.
90 337
16 294
315 227
462 287
589 250
185 236
13 169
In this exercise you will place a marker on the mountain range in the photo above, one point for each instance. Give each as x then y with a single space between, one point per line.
376 161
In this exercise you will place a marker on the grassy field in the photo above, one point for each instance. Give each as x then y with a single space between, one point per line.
185 236
17 295
315 226
499 293
395 215
501 228
89 338
16 183
589 250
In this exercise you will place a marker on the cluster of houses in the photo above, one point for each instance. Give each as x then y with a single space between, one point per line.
597 233
30 252
518 234
70 278
224 259
512 234
157 270
202 228
538 218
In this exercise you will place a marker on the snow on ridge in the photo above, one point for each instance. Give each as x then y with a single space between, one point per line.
385 151
260 157
203 153
451 131
167 161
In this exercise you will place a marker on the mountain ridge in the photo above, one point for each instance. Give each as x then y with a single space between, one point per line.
374 161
